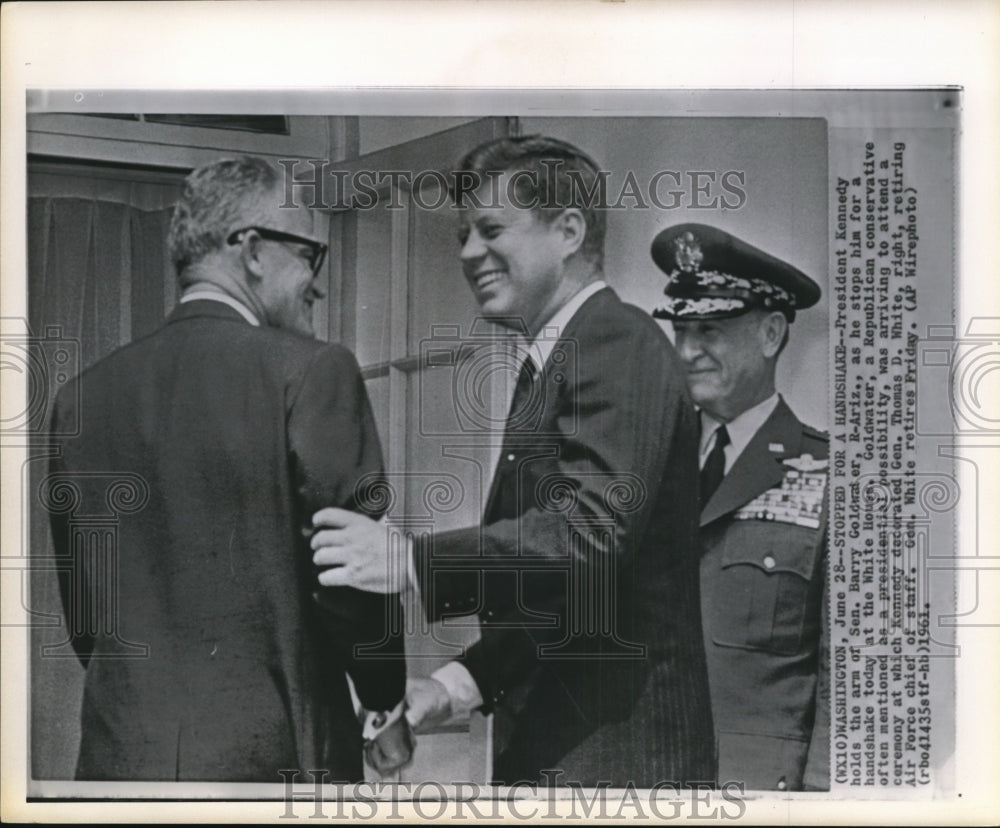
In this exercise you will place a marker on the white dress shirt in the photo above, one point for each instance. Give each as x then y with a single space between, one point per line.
541 346
461 686
226 299
741 431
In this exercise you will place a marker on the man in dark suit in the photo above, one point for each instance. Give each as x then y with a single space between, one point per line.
232 425
584 571
763 513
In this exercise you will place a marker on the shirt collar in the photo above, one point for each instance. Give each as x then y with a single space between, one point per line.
741 430
541 346
225 299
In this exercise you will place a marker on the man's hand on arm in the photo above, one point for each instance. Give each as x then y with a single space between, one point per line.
360 552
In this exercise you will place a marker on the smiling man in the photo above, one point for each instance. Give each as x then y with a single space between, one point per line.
591 654
763 508
230 426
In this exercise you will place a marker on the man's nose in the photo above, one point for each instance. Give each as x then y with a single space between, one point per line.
318 290
688 347
472 248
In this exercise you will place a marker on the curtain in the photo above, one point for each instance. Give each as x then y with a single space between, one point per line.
98 277
98 271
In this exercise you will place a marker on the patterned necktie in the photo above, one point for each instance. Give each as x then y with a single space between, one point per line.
715 465
524 404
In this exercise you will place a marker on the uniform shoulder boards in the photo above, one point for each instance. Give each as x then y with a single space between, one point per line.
811 433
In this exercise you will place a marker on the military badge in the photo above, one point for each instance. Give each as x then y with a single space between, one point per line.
687 252
798 499
806 463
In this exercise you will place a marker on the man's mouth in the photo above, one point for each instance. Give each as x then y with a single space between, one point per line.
486 278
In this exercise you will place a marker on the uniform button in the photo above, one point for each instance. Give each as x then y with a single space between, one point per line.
769 562
782 785
447 604
489 614
510 458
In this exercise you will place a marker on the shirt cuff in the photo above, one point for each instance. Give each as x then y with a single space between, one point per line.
461 687
376 722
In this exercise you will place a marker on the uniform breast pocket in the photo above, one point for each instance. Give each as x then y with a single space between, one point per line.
767 591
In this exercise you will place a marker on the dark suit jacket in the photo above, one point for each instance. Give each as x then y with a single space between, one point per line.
763 582
594 500
232 436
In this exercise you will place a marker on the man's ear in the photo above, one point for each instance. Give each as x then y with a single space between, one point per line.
250 256
773 328
572 227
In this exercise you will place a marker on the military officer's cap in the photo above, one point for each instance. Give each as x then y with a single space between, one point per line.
711 274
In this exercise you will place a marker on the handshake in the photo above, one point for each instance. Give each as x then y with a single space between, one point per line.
390 746
353 550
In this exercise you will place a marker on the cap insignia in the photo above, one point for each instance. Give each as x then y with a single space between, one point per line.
687 252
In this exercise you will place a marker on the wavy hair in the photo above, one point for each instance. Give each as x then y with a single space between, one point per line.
217 199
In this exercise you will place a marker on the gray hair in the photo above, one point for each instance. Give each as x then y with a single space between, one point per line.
218 198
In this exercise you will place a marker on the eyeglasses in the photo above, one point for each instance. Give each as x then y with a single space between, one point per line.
317 250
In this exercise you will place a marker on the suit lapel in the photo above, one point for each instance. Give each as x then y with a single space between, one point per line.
758 468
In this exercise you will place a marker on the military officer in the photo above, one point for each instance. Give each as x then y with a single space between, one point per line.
763 508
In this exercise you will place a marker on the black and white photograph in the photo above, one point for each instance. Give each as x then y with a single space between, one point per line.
497 454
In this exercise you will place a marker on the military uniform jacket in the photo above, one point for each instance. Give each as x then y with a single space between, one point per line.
227 438
584 571
763 576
